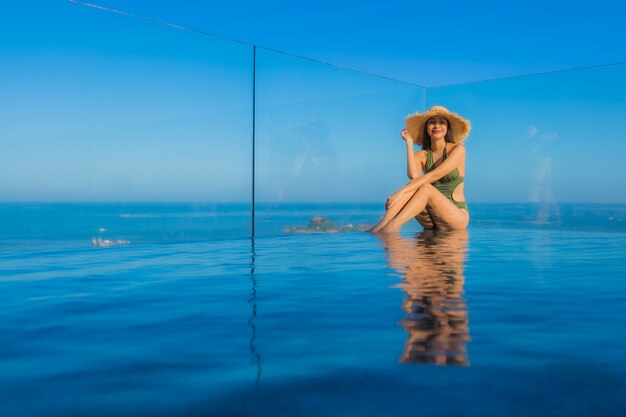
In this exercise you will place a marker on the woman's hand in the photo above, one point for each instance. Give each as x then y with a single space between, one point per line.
394 197
406 136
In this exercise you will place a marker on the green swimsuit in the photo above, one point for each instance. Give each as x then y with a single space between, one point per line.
448 183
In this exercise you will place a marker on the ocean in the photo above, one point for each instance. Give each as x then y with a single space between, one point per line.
42 226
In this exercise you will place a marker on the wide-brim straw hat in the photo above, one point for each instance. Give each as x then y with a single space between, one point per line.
415 124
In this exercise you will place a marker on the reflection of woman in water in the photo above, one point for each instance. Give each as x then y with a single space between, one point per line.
435 198
431 268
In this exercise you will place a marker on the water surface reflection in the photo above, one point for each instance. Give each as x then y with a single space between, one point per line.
431 268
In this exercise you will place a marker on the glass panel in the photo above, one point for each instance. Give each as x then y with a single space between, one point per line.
119 130
552 143
327 144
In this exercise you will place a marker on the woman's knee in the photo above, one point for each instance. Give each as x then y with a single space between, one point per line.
426 189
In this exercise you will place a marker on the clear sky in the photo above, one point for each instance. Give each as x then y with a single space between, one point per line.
101 106
427 43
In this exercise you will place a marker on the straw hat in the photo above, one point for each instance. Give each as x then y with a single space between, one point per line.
415 123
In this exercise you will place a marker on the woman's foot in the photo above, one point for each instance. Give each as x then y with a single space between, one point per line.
385 230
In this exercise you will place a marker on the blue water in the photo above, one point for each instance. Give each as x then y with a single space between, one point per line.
41 226
498 321
45 226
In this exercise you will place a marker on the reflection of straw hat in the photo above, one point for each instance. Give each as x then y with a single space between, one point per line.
415 124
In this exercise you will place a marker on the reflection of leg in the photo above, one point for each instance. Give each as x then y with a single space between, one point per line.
392 212
425 219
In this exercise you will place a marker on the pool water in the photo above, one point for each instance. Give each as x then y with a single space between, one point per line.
488 322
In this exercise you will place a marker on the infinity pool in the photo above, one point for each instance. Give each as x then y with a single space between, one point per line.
492 322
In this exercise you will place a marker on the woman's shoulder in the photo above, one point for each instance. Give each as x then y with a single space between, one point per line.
420 155
453 146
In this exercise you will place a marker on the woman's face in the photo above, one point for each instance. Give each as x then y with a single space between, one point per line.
437 127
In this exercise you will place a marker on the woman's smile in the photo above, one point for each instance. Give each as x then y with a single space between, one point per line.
437 132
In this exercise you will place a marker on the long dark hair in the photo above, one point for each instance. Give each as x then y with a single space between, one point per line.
426 137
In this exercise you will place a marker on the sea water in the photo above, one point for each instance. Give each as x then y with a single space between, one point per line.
495 321
43 226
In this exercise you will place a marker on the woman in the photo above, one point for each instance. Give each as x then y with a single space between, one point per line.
435 198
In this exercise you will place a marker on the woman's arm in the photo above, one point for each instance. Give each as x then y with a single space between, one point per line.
454 159
413 171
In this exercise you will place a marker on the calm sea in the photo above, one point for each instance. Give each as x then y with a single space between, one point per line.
35 226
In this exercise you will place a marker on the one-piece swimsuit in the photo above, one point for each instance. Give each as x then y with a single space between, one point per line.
448 183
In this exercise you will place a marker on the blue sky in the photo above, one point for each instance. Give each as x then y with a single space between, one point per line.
101 106
427 43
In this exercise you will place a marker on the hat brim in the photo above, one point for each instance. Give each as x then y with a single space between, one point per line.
415 124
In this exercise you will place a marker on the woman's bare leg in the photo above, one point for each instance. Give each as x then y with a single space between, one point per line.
444 214
392 212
